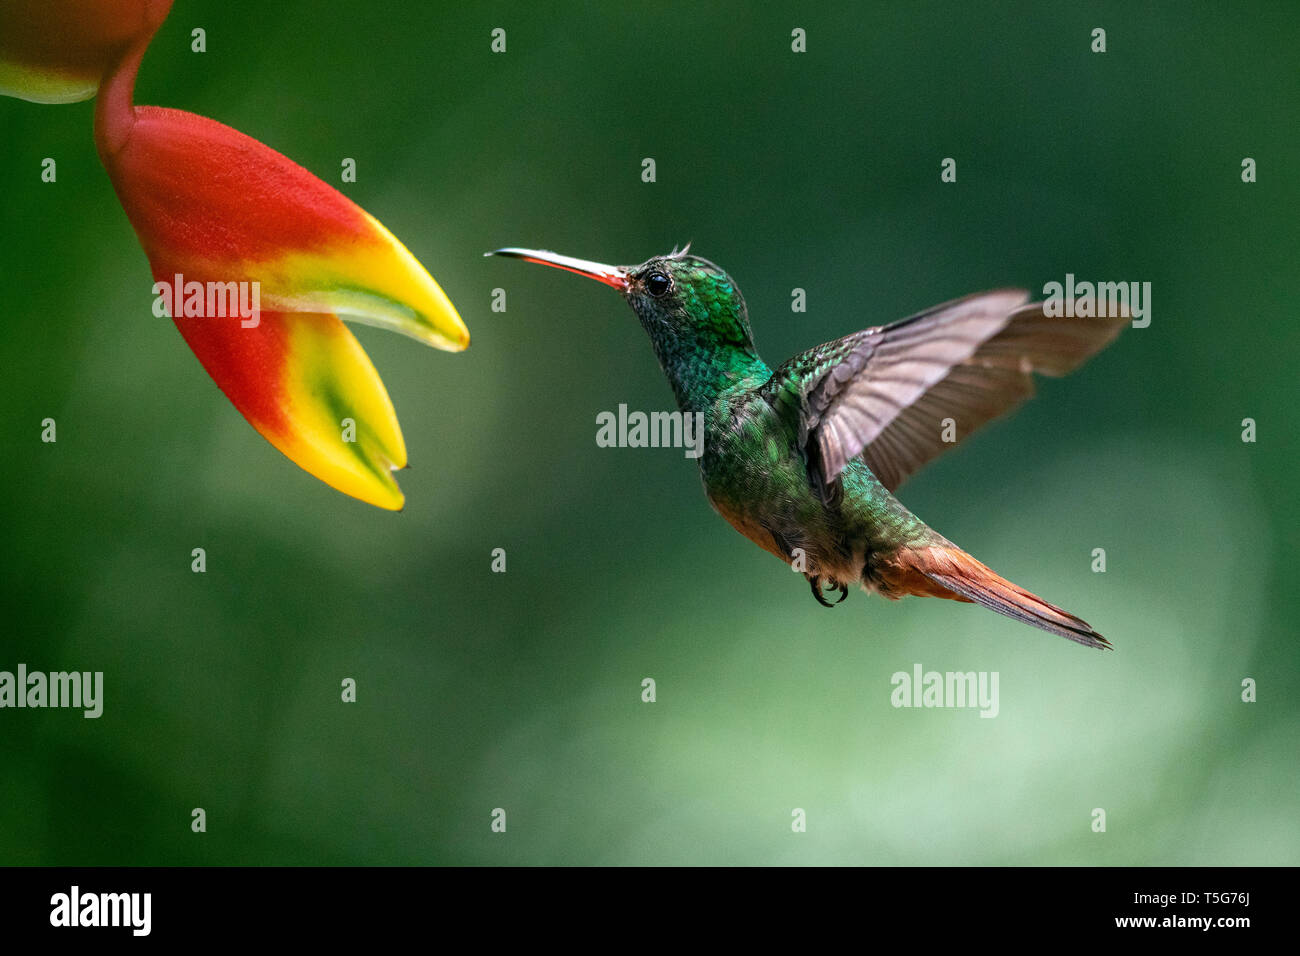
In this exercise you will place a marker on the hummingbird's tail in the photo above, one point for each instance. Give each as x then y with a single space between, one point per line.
944 570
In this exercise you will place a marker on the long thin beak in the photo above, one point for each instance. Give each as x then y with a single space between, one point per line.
615 276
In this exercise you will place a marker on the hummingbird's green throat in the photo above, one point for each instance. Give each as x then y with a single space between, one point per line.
803 459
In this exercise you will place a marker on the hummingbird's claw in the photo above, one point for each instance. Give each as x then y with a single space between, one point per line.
815 581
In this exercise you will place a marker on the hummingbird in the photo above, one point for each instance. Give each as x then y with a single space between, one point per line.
804 459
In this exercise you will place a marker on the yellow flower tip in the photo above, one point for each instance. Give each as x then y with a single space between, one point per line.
395 501
391 289
337 420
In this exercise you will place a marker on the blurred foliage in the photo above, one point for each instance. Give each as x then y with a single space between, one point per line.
522 691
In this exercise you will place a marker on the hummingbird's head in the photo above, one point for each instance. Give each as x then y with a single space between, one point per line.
685 303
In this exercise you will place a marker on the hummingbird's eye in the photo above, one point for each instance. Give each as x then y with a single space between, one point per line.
658 284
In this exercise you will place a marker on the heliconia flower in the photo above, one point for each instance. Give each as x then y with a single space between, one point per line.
218 211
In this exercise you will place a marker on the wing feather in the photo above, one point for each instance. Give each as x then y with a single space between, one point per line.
885 393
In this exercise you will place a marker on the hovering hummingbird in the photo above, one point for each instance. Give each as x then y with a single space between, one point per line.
803 460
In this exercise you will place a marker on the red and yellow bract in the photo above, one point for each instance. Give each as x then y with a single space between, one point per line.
216 206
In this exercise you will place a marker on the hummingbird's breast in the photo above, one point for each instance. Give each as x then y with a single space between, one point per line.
757 480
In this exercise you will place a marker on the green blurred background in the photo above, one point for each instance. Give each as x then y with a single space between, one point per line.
522 690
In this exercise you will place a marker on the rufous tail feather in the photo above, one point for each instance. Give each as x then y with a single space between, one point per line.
948 572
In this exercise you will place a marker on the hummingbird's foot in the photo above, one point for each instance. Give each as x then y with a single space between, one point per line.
815 580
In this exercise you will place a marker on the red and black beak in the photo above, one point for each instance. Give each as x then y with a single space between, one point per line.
615 276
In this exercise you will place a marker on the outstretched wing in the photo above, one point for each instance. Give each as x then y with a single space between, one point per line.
884 393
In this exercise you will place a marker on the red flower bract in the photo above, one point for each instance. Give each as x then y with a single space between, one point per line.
224 218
